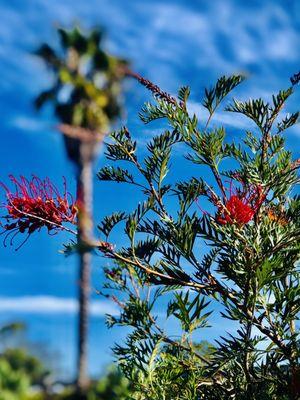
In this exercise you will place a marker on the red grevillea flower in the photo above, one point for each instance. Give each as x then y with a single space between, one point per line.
35 204
241 206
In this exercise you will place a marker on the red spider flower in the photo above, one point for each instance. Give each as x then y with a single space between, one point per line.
241 206
35 204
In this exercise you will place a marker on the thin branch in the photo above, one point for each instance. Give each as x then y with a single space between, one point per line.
150 271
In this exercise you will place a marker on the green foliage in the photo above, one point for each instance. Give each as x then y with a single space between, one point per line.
246 257
18 372
216 94
189 311
82 52
112 386
13 384
18 369
8 329
90 76
123 147
115 174
110 222
20 360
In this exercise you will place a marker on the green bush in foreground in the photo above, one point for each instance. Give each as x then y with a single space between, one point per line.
230 242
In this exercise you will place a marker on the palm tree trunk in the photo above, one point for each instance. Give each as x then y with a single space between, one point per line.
84 187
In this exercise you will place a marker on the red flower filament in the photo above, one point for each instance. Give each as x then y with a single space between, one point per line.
241 206
36 204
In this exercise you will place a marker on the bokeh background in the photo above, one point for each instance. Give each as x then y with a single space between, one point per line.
173 43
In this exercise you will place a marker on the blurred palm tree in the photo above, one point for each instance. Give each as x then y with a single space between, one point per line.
8 333
86 95
10 328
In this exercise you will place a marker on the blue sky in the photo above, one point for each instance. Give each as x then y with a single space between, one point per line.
173 43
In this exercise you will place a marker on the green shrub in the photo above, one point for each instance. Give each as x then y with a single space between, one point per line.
14 384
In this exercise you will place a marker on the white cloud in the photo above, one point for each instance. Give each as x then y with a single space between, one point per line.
28 124
234 120
162 39
53 305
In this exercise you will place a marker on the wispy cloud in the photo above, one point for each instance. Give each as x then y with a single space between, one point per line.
53 305
220 117
28 124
